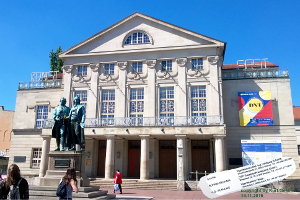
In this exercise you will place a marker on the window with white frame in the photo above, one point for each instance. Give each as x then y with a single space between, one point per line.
36 157
197 63
109 69
83 97
166 104
198 104
166 65
137 105
137 67
82 70
137 38
42 113
108 107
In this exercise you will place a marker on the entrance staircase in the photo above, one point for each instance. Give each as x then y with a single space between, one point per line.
152 184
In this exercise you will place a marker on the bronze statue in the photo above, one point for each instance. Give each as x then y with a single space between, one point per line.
60 128
77 117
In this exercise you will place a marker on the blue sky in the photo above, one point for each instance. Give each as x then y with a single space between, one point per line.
252 29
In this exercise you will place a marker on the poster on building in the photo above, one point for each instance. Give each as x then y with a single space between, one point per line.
255 108
259 151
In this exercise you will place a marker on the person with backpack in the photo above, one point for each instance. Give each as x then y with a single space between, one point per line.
14 187
67 185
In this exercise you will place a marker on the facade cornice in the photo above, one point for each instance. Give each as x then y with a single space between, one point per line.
141 50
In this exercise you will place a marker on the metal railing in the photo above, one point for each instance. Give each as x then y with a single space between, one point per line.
56 83
254 73
148 121
200 173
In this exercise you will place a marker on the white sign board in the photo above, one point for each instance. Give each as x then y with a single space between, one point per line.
259 151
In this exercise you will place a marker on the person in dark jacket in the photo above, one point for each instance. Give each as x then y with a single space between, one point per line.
13 178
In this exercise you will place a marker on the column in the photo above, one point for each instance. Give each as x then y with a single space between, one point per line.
110 157
121 102
67 83
219 152
144 168
150 96
181 162
181 157
92 93
45 157
180 89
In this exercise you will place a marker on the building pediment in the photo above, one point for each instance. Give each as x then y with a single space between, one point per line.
159 35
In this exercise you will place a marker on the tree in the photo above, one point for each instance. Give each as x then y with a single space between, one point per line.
55 62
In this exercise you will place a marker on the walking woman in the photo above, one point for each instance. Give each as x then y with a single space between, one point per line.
70 181
14 187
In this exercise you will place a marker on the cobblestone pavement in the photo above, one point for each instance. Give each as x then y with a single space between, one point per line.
168 194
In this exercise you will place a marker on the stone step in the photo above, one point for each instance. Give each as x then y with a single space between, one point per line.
48 192
52 188
79 194
108 196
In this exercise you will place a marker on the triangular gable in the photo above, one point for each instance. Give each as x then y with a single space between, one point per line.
106 39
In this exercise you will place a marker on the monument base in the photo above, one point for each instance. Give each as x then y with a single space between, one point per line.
59 162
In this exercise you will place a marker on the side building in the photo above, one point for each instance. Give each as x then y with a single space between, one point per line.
158 104
6 123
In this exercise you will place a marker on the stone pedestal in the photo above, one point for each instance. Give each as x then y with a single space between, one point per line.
58 164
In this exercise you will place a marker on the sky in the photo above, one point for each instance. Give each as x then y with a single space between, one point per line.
29 30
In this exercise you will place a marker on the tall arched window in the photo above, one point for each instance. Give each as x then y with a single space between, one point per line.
137 38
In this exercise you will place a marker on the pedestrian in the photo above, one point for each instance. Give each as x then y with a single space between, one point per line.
69 180
14 187
118 180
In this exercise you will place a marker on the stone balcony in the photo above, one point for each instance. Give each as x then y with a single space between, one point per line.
147 121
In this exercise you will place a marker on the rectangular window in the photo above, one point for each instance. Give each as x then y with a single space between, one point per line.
134 36
108 107
109 69
36 157
198 104
166 105
137 106
166 65
197 63
299 150
83 97
82 70
137 67
42 113
140 37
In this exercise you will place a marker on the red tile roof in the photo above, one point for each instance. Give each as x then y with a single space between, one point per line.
257 65
296 111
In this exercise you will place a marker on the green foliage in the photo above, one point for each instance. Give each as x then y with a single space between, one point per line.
55 62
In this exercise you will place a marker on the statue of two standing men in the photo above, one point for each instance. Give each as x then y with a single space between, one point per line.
68 127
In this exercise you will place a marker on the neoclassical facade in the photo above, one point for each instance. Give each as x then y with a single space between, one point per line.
155 104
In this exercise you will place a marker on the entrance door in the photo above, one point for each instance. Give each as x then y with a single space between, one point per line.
134 158
167 159
101 158
200 157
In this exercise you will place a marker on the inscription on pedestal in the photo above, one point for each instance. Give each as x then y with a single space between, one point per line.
62 163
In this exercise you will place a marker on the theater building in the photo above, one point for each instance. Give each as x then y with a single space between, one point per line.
159 104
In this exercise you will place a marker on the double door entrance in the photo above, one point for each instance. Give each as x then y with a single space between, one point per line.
167 160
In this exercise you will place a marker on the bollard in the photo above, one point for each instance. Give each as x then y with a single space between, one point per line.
196 175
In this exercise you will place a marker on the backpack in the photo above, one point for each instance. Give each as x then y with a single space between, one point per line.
14 192
61 190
